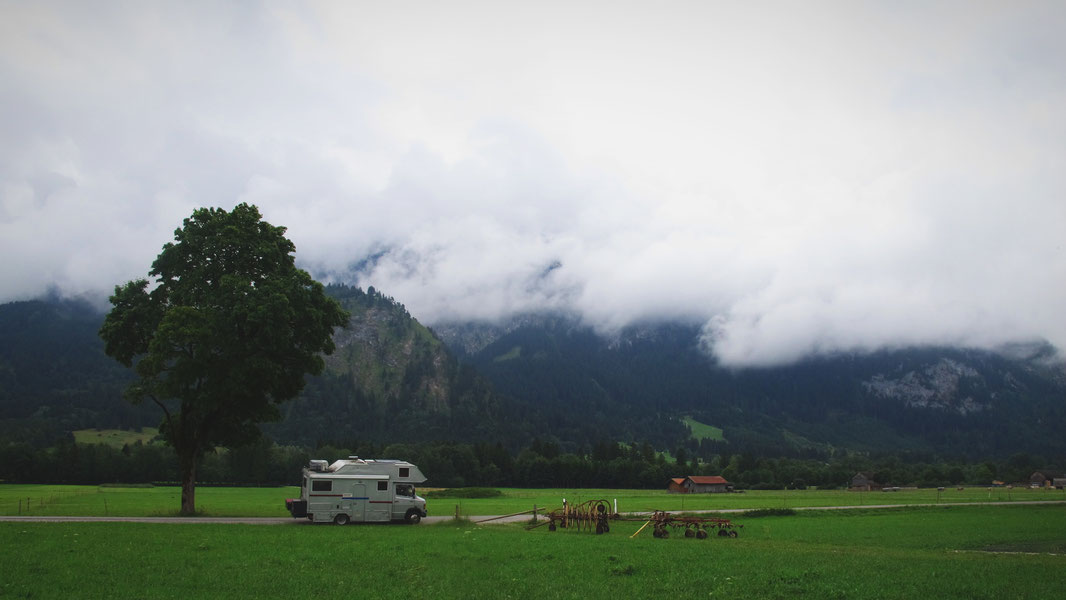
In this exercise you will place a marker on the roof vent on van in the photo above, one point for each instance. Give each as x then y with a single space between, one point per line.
318 465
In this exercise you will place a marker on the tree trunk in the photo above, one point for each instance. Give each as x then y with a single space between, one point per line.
188 486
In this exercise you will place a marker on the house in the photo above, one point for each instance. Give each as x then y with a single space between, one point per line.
864 483
699 484
1044 478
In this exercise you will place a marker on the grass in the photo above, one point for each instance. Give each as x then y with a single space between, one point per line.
702 431
927 552
63 500
116 438
511 354
91 500
515 499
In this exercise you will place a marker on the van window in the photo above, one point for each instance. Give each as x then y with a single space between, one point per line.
321 485
405 472
405 489
383 486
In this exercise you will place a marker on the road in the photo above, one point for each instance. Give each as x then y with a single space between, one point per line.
435 519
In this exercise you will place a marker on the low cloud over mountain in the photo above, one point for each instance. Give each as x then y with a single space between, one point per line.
800 179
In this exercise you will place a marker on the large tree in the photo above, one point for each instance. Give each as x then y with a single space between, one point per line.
225 333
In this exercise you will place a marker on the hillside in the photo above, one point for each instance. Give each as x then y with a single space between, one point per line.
945 400
392 380
54 375
389 380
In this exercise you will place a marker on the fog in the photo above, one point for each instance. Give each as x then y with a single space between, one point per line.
803 178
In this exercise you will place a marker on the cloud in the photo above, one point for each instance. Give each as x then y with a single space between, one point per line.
800 178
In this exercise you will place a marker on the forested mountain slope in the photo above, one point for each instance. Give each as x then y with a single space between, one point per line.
945 400
54 375
393 380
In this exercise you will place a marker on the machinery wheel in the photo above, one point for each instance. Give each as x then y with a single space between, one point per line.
551 526
689 532
732 534
341 519
412 518
701 534
722 533
599 529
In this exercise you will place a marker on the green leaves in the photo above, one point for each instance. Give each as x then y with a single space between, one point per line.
228 331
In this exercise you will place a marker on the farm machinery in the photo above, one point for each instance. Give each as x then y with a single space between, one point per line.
697 527
592 515
595 515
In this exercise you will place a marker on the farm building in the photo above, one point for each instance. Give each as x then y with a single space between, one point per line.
864 483
1044 478
699 484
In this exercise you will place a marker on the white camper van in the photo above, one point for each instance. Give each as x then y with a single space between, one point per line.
355 489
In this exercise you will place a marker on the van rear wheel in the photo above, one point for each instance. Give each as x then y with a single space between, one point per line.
412 517
341 519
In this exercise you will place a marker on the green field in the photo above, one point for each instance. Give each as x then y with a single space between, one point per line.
103 501
938 552
116 438
70 500
702 431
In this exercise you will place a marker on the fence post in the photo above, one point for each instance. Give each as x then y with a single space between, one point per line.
534 513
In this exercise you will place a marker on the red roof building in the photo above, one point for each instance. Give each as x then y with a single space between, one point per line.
700 484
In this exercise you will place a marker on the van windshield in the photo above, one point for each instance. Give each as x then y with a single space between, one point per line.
405 489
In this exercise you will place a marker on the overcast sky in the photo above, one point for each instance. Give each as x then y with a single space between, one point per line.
802 177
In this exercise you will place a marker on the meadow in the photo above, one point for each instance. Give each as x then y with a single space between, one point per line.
115 438
939 552
74 500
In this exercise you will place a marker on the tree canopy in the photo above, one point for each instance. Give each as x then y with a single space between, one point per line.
226 333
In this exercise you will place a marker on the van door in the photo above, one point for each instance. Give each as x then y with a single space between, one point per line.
403 499
355 502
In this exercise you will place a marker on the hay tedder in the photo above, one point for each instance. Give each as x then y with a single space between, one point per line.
595 515
697 527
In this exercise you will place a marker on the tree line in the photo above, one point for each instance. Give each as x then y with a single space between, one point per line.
541 464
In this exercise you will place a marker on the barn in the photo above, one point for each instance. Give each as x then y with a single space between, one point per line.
699 484
862 482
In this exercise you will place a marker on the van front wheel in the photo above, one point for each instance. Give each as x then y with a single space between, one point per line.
413 518
341 519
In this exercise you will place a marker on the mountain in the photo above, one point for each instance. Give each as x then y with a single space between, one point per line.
552 379
632 385
389 380
54 375
392 379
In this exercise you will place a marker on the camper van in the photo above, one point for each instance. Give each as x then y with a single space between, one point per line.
360 490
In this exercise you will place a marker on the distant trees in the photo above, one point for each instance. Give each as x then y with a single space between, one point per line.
451 464
226 332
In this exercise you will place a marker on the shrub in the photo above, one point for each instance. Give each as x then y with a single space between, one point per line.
769 512
470 492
